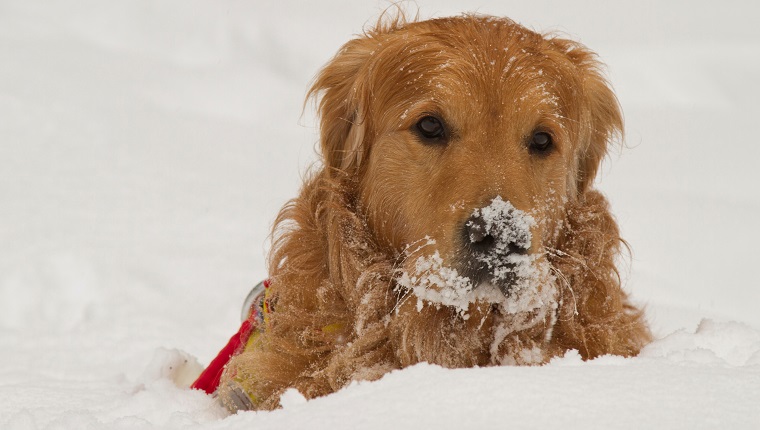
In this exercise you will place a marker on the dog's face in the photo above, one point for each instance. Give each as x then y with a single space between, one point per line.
465 138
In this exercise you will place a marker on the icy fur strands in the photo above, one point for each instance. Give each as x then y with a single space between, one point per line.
500 237
433 282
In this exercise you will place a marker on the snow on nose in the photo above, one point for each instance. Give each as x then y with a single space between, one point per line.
499 236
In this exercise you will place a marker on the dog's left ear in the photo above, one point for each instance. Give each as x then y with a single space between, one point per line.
601 117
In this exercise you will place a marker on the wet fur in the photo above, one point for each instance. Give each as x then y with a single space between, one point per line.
338 246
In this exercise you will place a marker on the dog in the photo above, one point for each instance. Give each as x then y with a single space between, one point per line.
453 219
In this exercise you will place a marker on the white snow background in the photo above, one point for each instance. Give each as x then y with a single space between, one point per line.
146 146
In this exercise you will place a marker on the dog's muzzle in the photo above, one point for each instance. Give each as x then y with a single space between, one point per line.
497 240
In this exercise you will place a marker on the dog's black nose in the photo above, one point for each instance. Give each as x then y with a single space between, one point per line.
497 237
483 236
477 235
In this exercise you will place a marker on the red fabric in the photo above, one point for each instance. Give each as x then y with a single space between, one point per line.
208 381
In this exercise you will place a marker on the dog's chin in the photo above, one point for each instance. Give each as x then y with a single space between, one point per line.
505 286
510 274
506 282
520 284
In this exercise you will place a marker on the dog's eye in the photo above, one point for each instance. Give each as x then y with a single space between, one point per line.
431 128
541 142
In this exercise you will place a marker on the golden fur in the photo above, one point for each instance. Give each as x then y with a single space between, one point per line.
382 199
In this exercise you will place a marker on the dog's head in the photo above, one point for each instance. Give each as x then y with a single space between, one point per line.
463 139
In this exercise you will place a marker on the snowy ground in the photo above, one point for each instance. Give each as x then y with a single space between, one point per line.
145 148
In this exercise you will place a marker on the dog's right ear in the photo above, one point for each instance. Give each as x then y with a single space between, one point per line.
341 87
601 118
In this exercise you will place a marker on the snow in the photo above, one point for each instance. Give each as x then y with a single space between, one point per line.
146 148
433 282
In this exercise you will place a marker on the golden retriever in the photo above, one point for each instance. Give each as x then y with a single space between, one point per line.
453 219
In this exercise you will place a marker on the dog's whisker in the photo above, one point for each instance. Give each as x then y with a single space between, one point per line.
566 284
404 296
579 261
404 255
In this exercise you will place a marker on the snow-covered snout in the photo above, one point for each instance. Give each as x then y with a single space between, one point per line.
497 240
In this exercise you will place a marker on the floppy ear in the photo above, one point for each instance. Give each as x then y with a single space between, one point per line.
600 116
341 87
